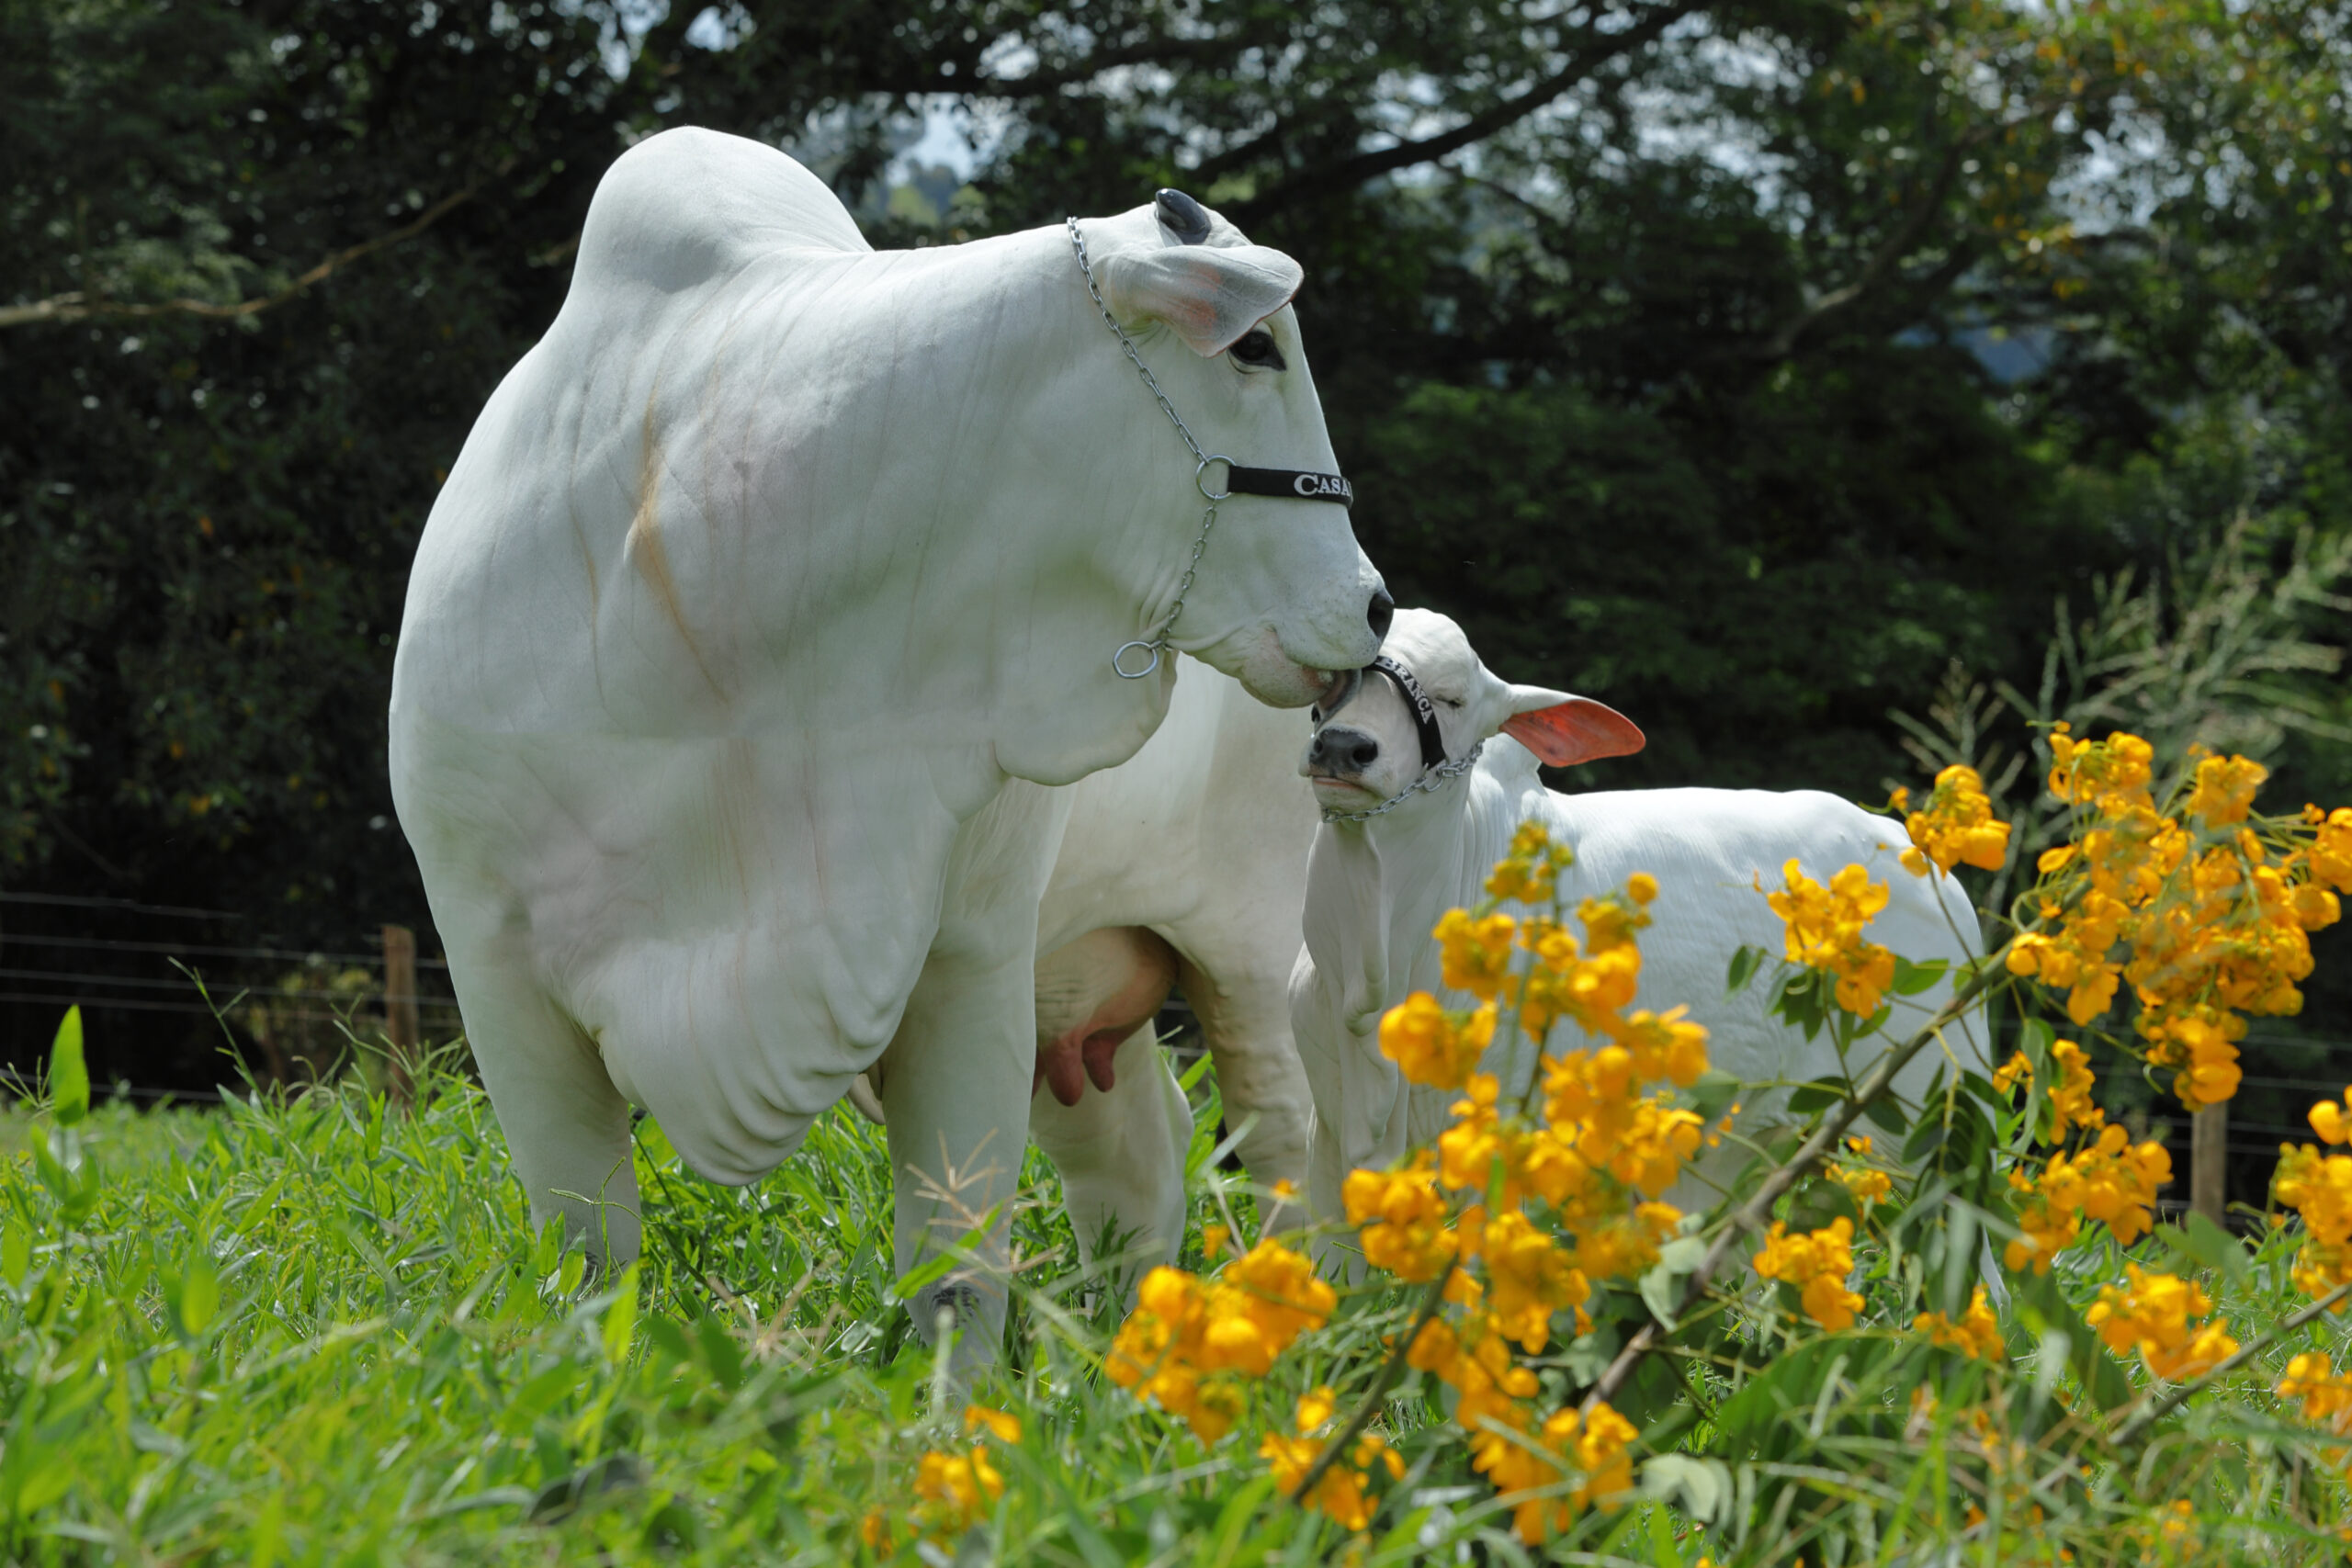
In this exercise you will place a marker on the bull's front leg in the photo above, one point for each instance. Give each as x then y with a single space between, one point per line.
955 1091
955 1082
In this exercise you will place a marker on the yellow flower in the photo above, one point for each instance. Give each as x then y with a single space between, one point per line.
1475 954
1405 1219
2011 1073
1594 1447
1003 1424
1867 1185
2152 1313
1187 1337
1818 1264
1531 1280
1430 1046
2328 1119
2225 787
1530 869
959 1487
2069 1097
2331 850
1825 933
1977 1333
1957 826
2082 770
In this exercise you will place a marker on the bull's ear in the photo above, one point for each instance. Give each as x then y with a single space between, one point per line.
1565 731
1209 294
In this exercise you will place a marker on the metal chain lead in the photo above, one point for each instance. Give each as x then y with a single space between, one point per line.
1158 639
1429 781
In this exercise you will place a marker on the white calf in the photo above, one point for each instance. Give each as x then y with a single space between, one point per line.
1423 842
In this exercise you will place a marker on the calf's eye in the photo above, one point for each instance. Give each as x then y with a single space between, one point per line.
1257 348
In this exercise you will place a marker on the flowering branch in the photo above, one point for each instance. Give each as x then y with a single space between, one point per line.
1752 1214
1375 1396
2157 1408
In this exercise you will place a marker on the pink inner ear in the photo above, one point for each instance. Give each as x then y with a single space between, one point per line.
1578 730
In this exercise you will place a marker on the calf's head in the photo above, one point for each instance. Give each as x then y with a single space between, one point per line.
1284 600
1368 749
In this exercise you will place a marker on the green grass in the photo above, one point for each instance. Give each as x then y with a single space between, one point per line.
316 1328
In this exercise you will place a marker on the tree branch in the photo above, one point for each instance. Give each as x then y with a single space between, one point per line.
76 306
1361 166
1891 251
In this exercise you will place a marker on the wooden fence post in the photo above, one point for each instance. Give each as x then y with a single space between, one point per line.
2209 1149
400 1005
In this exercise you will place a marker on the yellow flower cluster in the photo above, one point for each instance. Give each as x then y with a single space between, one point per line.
1865 1182
1189 1339
954 1488
2070 1097
1529 872
1344 1492
2319 1188
1957 826
1818 1263
1507 1446
2326 1395
2151 1314
1977 1333
1825 931
1428 1045
2112 1181
1407 1224
2203 935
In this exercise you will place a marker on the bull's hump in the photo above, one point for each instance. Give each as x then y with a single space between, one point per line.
688 206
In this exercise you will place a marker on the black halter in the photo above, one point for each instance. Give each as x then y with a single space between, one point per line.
1424 711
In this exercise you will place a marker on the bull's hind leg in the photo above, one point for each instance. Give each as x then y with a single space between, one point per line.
567 1128
1121 1155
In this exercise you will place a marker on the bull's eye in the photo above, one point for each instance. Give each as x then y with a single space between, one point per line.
1257 348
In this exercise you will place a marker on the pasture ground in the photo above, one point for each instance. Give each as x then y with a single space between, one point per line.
312 1328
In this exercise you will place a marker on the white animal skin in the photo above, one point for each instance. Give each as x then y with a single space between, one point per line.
1376 887
769 594
1195 848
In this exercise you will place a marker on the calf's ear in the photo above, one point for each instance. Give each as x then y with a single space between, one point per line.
1209 294
1565 731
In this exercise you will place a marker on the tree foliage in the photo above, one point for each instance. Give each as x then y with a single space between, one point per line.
1745 364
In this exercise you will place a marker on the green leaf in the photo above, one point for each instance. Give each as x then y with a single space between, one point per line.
1661 1286
1886 1112
2202 1244
620 1318
1818 1095
1745 961
1714 1093
16 1254
197 1299
69 1079
1911 978
2044 1309
1700 1488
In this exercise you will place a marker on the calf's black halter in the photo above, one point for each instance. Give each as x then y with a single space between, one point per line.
1435 769
1184 217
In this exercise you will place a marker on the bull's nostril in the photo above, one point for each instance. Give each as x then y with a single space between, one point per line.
1383 610
1361 751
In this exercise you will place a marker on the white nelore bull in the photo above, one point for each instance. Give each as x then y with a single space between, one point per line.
1375 887
770 590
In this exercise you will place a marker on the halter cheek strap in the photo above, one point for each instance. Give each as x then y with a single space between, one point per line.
1424 711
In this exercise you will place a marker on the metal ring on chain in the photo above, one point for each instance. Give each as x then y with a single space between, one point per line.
1434 778
1200 479
1118 660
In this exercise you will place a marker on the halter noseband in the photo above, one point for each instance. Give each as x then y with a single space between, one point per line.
1435 769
